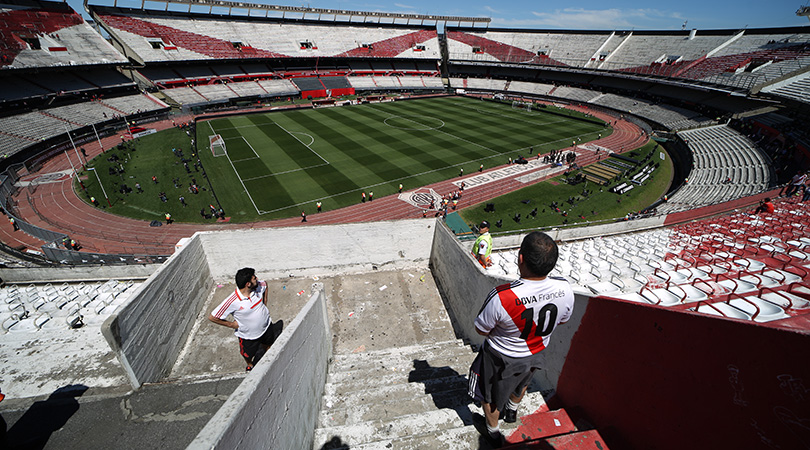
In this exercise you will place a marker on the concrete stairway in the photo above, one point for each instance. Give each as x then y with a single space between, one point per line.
414 397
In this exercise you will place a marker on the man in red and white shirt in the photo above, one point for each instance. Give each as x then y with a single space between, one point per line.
517 320
252 324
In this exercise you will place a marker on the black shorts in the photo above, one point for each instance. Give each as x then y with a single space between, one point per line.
494 377
250 348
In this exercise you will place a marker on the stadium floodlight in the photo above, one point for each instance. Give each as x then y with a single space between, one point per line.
804 11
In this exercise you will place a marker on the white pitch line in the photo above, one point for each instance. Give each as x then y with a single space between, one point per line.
251 147
302 143
237 174
270 175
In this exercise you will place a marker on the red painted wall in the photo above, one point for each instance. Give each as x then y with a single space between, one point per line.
654 378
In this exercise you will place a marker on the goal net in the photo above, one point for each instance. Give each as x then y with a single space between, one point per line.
217 145
522 105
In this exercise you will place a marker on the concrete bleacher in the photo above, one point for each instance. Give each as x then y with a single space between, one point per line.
372 83
134 104
639 50
530 88
23 130
572 93
720 154
195 37
571 49
218 93
63 307
486 84
64 38
185 96
279 87
795 88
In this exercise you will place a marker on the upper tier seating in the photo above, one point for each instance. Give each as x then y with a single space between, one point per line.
155 37
720 154
48 36
644 50
740 59
526 47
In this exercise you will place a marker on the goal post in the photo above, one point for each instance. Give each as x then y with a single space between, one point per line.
526 106
217 145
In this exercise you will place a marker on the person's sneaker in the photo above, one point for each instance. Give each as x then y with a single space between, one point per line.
509 415
480 424
248 368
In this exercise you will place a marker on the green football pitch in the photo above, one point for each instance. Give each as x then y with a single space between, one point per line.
277 164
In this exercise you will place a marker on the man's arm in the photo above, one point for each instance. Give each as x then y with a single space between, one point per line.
225 323
264 294
482 333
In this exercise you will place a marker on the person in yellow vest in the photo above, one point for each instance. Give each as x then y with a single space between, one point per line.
318 205
400 188
169 218
483 245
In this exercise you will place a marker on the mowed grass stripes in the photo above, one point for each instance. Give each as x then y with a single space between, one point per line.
281 163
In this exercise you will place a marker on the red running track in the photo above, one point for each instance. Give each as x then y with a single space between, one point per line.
55 206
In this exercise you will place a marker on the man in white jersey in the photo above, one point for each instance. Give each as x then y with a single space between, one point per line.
248 304
517 320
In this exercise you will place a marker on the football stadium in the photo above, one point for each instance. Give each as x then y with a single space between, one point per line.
356 160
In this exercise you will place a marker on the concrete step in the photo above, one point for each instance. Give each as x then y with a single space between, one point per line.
390 403
398 355
419 371
461 438
431 421
427 422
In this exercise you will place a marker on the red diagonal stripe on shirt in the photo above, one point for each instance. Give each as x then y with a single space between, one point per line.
515 309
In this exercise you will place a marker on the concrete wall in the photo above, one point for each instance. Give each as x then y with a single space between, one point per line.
320 250
464 285
148 332
657 378
77 273
277 404
576 233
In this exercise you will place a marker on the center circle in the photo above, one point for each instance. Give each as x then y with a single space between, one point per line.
416 123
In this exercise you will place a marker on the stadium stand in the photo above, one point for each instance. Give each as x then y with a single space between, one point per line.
737 265
47 34
153 36
536 47
63 307
727 165
795 88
